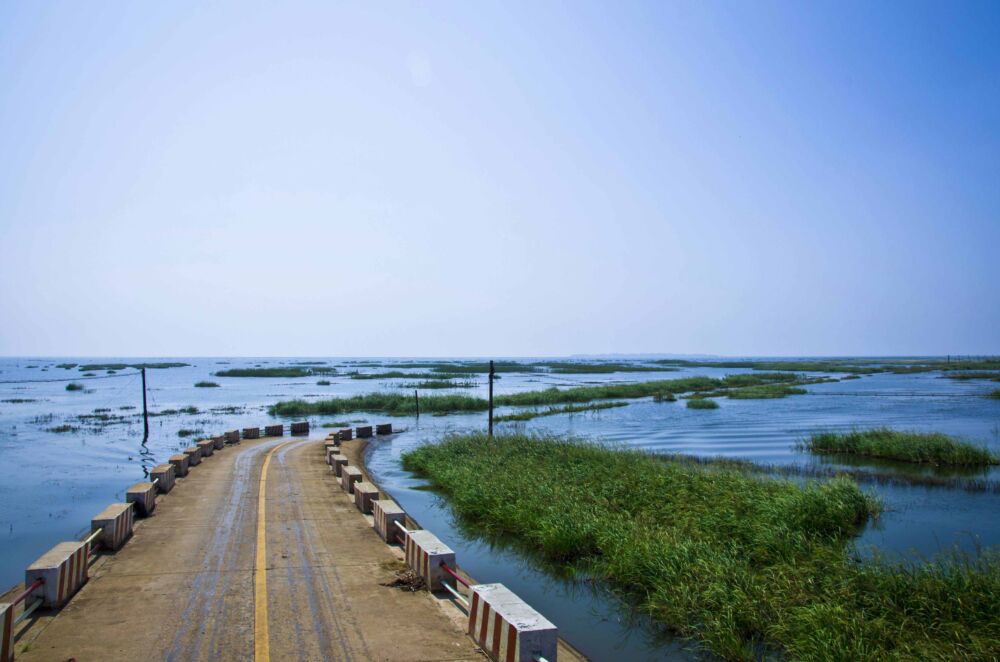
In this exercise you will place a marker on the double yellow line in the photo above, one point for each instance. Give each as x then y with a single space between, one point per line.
261 635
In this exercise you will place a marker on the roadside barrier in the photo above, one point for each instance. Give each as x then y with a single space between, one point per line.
329 452
114 525
507 628
346 434
364 494
7 620
424 554
337 463
364 431
383 428
348 477
386 514
162 476
300 429
219 442
62 571
274 431
194 456
180 464
232 437
251 433
143 495
207 447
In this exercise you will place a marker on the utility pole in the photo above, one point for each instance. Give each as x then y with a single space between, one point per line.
145 412
416 398
492 373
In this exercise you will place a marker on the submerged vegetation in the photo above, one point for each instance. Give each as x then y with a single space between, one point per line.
889 444
552 411
291 371
702 403
748 565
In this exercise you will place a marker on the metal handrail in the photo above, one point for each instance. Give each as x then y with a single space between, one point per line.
458 596
454 574
24 594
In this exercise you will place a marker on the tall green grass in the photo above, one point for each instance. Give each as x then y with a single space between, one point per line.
289 371
889 444
389 403
702 403
750 567
552 411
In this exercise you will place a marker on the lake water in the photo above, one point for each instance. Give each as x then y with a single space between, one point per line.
52 483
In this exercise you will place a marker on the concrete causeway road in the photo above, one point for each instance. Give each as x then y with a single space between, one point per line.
234 565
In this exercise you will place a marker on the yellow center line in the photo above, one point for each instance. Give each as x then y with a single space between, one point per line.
261 636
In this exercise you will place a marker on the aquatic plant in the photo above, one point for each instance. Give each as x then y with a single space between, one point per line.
751 567
552 411
323 382
764 392
702 403
89 367
600 367
206 385
185 432
995 394
904 446
287 371
389 403
664 397
60 429
73 386
399 374
439 384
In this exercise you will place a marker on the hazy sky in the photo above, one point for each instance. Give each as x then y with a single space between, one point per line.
531 178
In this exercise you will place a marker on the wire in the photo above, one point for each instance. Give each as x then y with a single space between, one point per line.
69 379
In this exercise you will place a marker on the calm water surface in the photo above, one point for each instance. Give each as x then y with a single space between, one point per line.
52 483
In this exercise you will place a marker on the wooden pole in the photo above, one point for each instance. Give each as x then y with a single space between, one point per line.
416 398
492 372
145 412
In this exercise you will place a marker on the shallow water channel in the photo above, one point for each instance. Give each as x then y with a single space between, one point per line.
51 483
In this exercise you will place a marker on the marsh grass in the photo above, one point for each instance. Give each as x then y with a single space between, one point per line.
323 382
206 385
90 367
73 386
995 394
552 411
390 403
601 367
903 446
399 374
186 432
440 383
62 429
765 392
966 376
749 566
287 371
702 403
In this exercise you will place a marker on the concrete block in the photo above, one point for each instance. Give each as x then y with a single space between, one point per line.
348 477
207 447
194 456
346 434
424 554
219 442
163 474
364 431
232 437
386 513
507 628
300 429
330 451
337 463
274 430
383 428
115 525
64 570
180 464
364 494
6 632
251 433
143 495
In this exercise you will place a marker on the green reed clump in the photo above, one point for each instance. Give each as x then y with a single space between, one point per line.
600 367
702 403
389 403
765 392
552 411
399 374
323 382
749 566
287 371
904 446
206 385
73 386
440 383
995 394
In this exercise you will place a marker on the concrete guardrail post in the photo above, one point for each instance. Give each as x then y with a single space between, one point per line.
274 430
348 477
364 431
207 447
63 569
507 628
115 525
300 429
219 442
337 463
251 433
163 474
424 554
143 495
232 436
180 464
364 494
194 456
346 434
329 452
383 428
386 513
6 632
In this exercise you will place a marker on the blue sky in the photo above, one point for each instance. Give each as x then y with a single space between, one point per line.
759 178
